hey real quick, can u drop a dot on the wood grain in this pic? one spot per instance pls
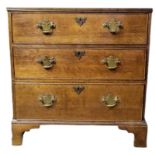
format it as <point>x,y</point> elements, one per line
<point>68,66</point>
<point>86,106</point>
<point>67,30</point>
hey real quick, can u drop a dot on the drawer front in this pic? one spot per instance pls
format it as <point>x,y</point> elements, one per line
<point>85,28</point>
<point>84,102</point>
<point>79,64</point>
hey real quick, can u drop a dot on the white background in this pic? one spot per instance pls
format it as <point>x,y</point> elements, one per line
<point>71,140</point>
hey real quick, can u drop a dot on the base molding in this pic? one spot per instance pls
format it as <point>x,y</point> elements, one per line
<point>139,129</point>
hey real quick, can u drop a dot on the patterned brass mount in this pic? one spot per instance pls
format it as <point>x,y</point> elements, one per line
<point>47,100</point>
<point>78,89</point>
<point>46,26</point>
<point>79,54</point>
<point>80,20</point>
<point>111,62</point>
<point>110,100</point>
<point>113,25</point>
<point>46,61</point>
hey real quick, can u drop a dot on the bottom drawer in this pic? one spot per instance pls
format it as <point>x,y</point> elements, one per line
<point>74,102</point>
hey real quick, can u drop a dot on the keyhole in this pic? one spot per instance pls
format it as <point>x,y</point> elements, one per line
<point>78,88</point>
<point>78,54</point>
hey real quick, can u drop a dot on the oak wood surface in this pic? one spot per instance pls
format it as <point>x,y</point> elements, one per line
<point>84,106</point>
<point>68,66</point>
<point>67,31</point>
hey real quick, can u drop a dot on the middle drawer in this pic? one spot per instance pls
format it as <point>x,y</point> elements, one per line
<point>79,64</point>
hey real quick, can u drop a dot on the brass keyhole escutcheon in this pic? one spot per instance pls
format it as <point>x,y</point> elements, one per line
<point>78,88</point>
<point>80,20</point>
<point>79,54</point>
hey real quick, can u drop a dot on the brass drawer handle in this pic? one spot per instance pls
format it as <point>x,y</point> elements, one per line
<point>79,54</point>
<point>113,25</point>
<point>46,61</point>
<point>47,100</point>
<point>78,88</point>
<point>110,100</point>
<point>46,26</point>
<point>80,20</point>
<point>111,62</point>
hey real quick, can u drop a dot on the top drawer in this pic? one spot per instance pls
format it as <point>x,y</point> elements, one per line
<point>79,28</point>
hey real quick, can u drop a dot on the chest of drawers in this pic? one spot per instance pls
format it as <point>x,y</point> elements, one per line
<point>79,66</point>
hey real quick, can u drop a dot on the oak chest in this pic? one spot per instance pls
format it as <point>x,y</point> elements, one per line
<point>79,66</point>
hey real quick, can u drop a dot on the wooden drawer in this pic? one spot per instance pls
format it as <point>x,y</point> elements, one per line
<point>68,31</point>
<point>88,105</point>
<point>68,65</point>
